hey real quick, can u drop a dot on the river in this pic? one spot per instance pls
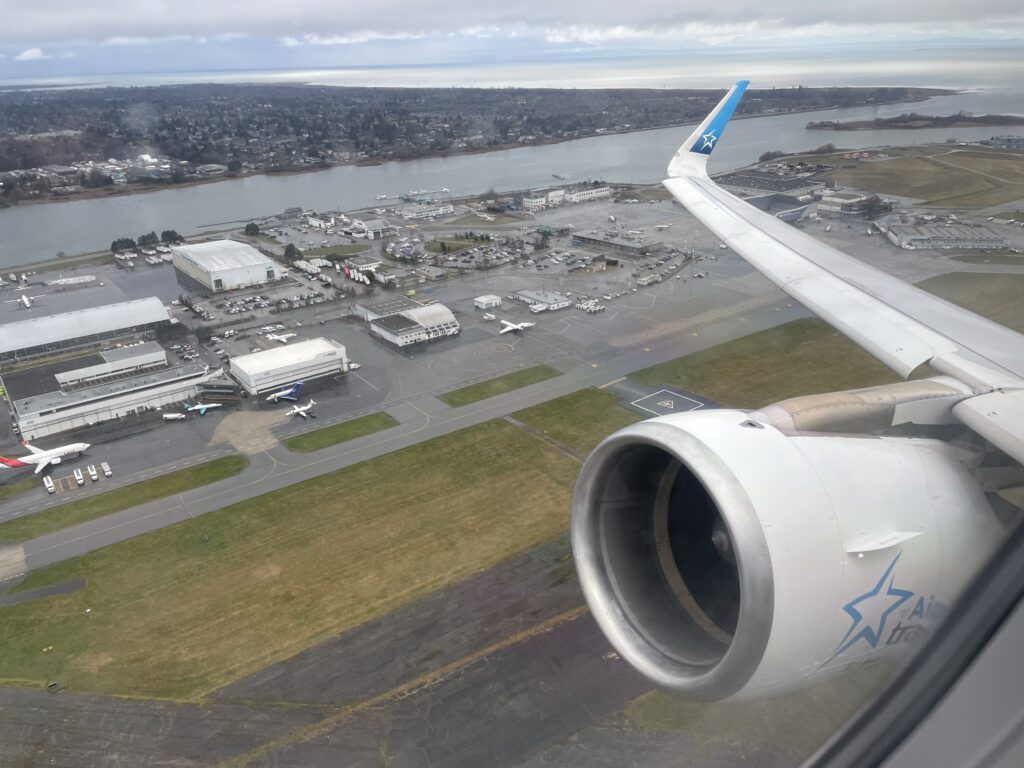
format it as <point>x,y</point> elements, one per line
<point>33,233</point>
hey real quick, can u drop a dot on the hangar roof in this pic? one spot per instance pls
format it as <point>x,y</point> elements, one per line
<point>52,329</point>
<point>431,316</point>
<point>286,355</point>
<point>217,255</point>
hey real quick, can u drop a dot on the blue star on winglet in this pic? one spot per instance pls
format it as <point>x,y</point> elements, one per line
<point>862,629</point>
<point>709,141</point>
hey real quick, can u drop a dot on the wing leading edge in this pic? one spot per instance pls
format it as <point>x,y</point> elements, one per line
<point>902,326</point>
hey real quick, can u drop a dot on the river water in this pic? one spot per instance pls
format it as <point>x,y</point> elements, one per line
<point>32,233</point>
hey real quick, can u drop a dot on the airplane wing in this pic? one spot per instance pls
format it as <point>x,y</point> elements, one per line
<point>506,327</point>
<point>202,411</point>
<point>41,466</point>
<point>31,448</point>
<point>903,326</point>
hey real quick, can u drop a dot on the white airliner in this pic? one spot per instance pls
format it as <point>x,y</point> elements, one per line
<point>507,327</point>
<point>201,407</point>
<point>43,458</point>
<point>281,338</point>
<point>303,410</point>
<point>25,300</point>
<point>288,393</point>
<point>727,552</point>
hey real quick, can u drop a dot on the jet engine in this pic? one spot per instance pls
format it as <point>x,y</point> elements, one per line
<point>56,460</point>
<point>724,556</point>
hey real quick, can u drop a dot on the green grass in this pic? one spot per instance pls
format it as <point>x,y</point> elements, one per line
<point>191,607</point>
<point>454,245</point>
<point>939,175</point>
<point>339,433</point>
<point>995,296</point>
<point>350,249</point>
<point>7,490</point>
<point>472,220</point>
<point>799,358</point>
<point>498,386</point>
<point>91,507</point>
<point>580,420</point>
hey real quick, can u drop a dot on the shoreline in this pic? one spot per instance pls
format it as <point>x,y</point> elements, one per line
<point>143,189</point>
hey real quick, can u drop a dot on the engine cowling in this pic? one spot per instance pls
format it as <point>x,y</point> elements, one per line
<point>724,557</point>
<point>56,460</point>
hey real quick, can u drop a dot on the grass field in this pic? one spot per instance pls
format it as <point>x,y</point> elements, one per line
<point>579,421</point>
<point>339,433</point>
<point>325,251</point>
<point>799,358</point>
<point>91,507</point>
<point>454,245</point>
<point>191,607</point>
<point>498,386</point>
<point>953,178</point>
<point>7,490</point>
<point>472,220</point>
<point>988,257</point>
<point>997,297</point>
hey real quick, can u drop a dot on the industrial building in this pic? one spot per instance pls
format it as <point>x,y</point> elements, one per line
<point>72,394</point>
<point>622,246</point>
<point>224,265</point>
<point>363,263</point>
<point>382,307</point>
<point>759,183</point>
<point>586,195</point>
<point>426,211</point>
<point>945,236</point>
<point>432,273</point>
<point>487,302</point>
<point>550,300</point>
<point>278,367</point>
<point>81,328</point>
<point>786,207</point>
<point>845,204</point>
<point>413,326</point>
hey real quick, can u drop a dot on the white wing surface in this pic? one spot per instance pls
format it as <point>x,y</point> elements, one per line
<point>903,326</point>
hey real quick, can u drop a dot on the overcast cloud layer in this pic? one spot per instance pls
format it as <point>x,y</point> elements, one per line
<point>588,20</point>
<point>72,37</point>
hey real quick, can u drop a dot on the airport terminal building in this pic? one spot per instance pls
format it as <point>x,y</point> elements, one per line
<point>51,334</point>
<point>224,265</point>
<point>302,361</point>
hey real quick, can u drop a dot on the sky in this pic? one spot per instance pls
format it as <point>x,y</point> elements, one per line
<point>61,38</point>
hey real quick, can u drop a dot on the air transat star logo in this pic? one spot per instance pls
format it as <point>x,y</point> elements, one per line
<point>880,601</point>
<point>709,140</point>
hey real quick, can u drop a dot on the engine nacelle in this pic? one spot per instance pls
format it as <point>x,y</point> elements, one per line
<point>722,556</point>
<point>56,460</point>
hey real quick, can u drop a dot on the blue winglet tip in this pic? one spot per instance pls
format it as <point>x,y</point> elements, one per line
<point>708,140</point>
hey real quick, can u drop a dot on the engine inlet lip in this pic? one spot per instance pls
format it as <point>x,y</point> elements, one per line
<point>753,628</point>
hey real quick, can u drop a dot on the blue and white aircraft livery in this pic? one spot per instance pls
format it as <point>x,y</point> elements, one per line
<point>291,392</point>
<point>735,553</point>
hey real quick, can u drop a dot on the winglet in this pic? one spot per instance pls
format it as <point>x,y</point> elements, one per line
<point>692,157</point>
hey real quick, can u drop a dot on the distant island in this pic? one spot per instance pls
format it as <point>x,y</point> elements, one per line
<point>913,121</point>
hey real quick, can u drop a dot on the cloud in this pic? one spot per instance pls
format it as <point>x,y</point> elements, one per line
<point>32,54</point>
<point>350,39</point>
<point>328,22</point>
